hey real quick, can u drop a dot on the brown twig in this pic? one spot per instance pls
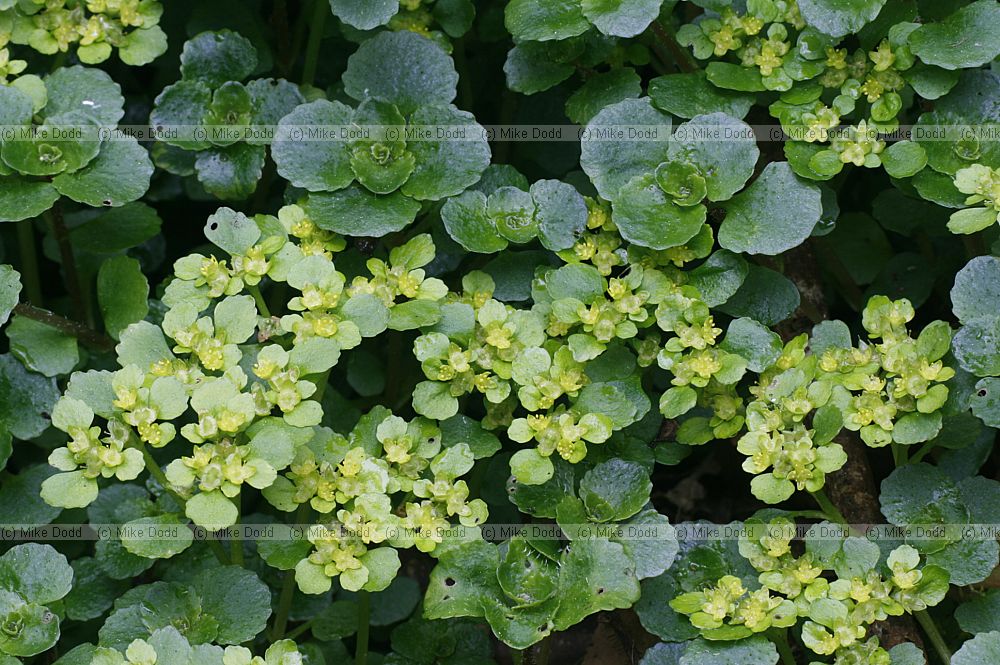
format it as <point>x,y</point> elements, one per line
<point>85,335</point>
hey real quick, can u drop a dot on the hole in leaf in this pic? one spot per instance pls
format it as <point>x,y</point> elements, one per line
<point>449,581</point>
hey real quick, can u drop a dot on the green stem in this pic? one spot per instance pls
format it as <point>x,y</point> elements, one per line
<point>827,507</point>
<point>29,261</point>
<point>71,276</point>
<point>665,33</point>
<point>236,543</point>
<point>920,454</point>
<point>95,340</point>
<point>320,11</point>
<point>899,454</point>
<point>157,472</point>
<point>780,639</point>
<point>364,616</point>
<point>288,587</point>
<point>259,299</point>
<point>926,622</point>
<point>299,630</point>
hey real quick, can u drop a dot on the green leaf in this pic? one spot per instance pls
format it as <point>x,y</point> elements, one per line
<point>433,400</point>
<point>446,166</point>
<point>755,343</point>
<point>93,591</point>
<point>561,213</point>
<point>42,348</point>
<point>218,57</point>
<point>90,91</point>
<point>428,76</point>
<point>726,159</point>
<point>977,285</point>
<point>967,38</point>
<point>37,572</point>
<point>648,217</point>
<point>69,490</point>
<point>238,600</point>
<point>981,614</point>
<point>159,537</point>
<point>530,468</point>
<point>231,173</point>
<point>689,95</point>
<point>612,153</point>
<point>972,220</point>
<point>615,490</point>
<point>765,296</point>
<point>54,147</point>
<point>357,212</point>
<point>544,20</point>
<point>211,510</point>
<point>983,649</point>
<point>183,105</point>
<point>382,564</point>
<point>776,213</point>
<point>729,76</point>
<point>595,575</point>
<point>602,90</point>
<point>916,427</point>
<point>23,199</point>
<point>122,293</point>
<point>364,14</point>
<point>232,231</point>
<point>719,277</point>
<point>771,489</point>
<point>621,18</point>
<point>141,47</point>
<point>39,631</point>
<point>663,653</point>
<point>530,69</point>
<point>10,290</point>
<point>28,398</point>
<point>467,223</point>
<point>985,401</point>
<point>120,174</point>
<point>904,159</point>
<point>840,17</point>
<point>337,621</point>
<point>755,650</point>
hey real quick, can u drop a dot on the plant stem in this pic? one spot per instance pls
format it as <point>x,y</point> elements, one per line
<point>899,454</point>
<point>827,507</point>
<point>154,470</point>
<point>29,261</point>
<point>259,299</point>
<point>780,639</point>
<point>926,622</point>
<point>235,543</point>
<point>71,275</point>
<point>665,33</point>
<point>364,615</point>
<point>320,10</point>
<point>920,454</point>
<point>299,630</point>
<point>288,589</point>
<point>85,335</point>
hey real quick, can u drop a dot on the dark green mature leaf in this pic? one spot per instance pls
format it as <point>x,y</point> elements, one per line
<point>648,217</point>
<point>561,213</point>
<point>364,14</point>
<point>88,91</point>
<point>120,174</point>
<point>122,293</point>
<point>21,198</point>
<point>723,149</point>
<point>776,213</point>
<point>117,229</point>
<point>544,20</point>
<point>530,68</point>
<point>37,572</point>
<point>42,348</point>
<point>28,399</point>
<point>615,490</point>
<point>981,614</point>
<point>840,17</point>
<point>313,163</point>
<point>968,38</point>
<point>688,95</point>
<point>231,173</point>
<point>594,575</point>
<point>427,77</point>
<point>93,591</point>
<point>238,600</point>
<point>357,212</point>
<point>765,296</point>
<point>602,90</point>
<point>465,218</point>
<point>183,106</point>
<point>983,649</point>
<point>446,165</point>
<point>217,57</point>
<point>755,650</point>
<point>621,18</point>
<point>612,153</point>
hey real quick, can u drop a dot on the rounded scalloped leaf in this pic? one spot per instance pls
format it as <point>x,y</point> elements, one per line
<point>217,57</point>
<point>231,173</point>
<point>364,14</point>
<point>357,212</point>
<point>212,510</point>
<point>750,651</point>
<point>977,290</point>
<point>238,600</point>
<point>612,156</point>
<point>690,94</point>
<point>84,89</point>
<point>10,290</point>
<point>602,90</point>
<point>968,38</point>
<point>37,572</point>
<point>307,162</point>
<point>545,20</point>
<point>722,147</point>
<point>840,17</point>
<point>615,490</point>
<point>120,174</point>
<point>69,490</point>
<point>621,18</point>
<point>446,165</point>
<point>24,199</point>
<point>561,213</point>
<point>402,68</point>
<point>467,223</point>
<point>182,104</point>
<point>774,214</point>
<point>647,217</point>
<point>983,649</point>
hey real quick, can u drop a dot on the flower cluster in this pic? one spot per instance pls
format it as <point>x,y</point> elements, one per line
<point>96,27</point>
<point>982,184</point>
<point>837,613</point>
<point>890,389</point>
